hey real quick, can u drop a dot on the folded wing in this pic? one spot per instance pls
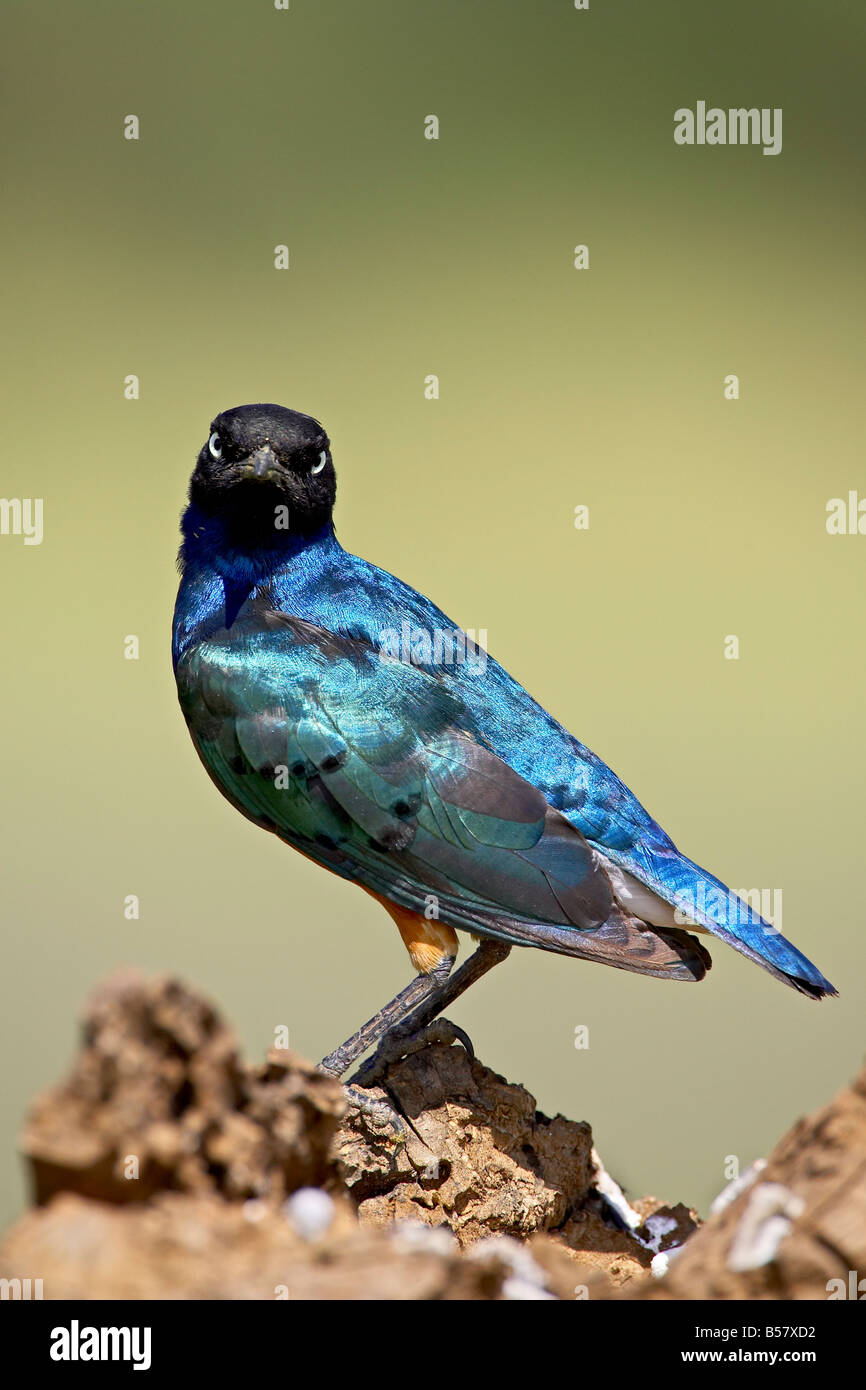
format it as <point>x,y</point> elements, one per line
<point>368,766</point>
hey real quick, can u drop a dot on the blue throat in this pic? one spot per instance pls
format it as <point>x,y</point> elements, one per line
<point>218,578</point>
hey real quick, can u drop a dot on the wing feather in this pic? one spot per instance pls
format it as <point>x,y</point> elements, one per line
<point>368,767</point>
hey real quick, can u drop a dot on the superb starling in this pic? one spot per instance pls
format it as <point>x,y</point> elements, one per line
<point>413,765</point>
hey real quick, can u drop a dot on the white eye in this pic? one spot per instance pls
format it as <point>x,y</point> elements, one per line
<point>323,459</point>
<point>215,445</point>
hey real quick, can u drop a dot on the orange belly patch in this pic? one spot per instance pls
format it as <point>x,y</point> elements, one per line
<point>428,942</point>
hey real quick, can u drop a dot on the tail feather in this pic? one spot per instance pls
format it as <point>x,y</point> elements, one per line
<point>622,941</point>
<point>705,900</point>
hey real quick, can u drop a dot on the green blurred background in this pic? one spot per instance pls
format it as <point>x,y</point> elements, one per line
<point>558,387</point>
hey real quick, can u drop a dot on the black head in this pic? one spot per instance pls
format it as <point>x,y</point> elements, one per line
<point>265,473</point>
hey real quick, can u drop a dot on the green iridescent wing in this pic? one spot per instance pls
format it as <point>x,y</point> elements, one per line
<point>370,767</point>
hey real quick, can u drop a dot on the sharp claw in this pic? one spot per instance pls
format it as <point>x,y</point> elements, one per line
<point>395,1046</point>
<point>441,1030</point>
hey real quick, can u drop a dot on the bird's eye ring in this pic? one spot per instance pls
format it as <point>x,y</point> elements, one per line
<point>215,446</point>
<point>323,459</point>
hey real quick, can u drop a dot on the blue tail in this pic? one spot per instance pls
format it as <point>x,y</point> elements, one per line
<point>706,900</point>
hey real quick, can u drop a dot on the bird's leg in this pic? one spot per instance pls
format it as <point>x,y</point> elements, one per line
<point>409,1022</point>
<point>421,989</point>
<point>422,1025</point>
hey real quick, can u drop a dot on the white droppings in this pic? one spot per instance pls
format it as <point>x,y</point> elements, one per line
<point>736,1186</point>
<point>519,1291</point>
<point>659,1226</point>
<point>414,1236</point>
<point>309,1212</point>
<point>767,1220</point>
<point>613,1194</point>
<point>513,1255</point>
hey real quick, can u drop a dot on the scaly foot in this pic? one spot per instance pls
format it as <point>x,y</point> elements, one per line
<point>396,1045</point>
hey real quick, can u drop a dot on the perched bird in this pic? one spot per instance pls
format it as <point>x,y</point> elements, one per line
<point>436,783</point>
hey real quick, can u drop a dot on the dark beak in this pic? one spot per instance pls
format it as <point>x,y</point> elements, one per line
<point>262,465</point>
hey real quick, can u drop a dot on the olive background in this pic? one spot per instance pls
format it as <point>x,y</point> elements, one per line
<point>558,388</point>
